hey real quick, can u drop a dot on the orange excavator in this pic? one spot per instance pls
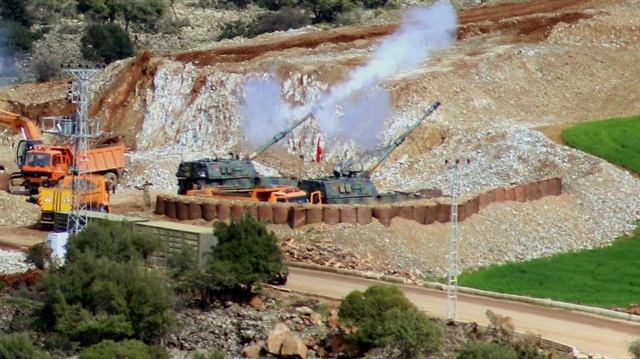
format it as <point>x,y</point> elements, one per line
<point>43,165</point>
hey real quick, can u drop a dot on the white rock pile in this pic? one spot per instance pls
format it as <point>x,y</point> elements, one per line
<point>12,262</point>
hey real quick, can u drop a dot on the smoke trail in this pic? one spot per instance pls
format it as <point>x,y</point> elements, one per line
<point>6,62</point>
<point>263,110</point>
<point>424,30</point>
<point>360,120</point>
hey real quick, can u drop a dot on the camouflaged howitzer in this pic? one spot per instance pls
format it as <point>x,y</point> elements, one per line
<point>233,174</point>
<point>356,187</point>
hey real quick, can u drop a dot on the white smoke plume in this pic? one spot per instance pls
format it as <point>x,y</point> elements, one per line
<point>6,61</point>
<point>263,110</point>
<point>424,30</point>
<point>355,111</point>
<point>359,120</point>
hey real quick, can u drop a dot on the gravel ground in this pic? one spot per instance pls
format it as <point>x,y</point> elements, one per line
<point>16,210</point>
<point>12,262</point>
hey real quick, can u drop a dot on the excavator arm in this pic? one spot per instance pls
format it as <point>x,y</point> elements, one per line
<point>24,125</point>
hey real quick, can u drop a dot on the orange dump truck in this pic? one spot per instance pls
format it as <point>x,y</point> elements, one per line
<point>279,194</point>
<point>94,196</point>
<point>46,165</point>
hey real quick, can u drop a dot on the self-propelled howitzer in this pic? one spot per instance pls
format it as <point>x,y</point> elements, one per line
<point>232,174</point>
<point>356,187</point>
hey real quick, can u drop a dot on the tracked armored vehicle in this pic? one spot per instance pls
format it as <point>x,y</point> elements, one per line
<point>356,187</point>
<point>232,174</point>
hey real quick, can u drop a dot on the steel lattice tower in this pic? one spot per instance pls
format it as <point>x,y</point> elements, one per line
<point>78,131</point>
<point>453,272</point>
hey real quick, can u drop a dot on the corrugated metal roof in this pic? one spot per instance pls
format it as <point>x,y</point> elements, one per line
<point>178,227</point>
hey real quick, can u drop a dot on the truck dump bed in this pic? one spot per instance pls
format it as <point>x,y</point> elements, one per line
<point>104,158</point>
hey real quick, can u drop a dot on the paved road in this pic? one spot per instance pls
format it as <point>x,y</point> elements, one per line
<point>588,333</point>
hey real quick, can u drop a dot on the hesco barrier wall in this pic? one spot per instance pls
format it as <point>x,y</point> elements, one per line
<point>295,215</point>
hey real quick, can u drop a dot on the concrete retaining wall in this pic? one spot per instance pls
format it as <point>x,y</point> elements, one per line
<point>296,216</point>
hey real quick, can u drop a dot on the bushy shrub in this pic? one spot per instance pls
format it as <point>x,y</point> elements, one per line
<point>19,346</point>
<point>358,307</point>
<point>106,43</point>
<point>168,26</point>
<point>108,349</point>
<point>246,254</point>
<point>240,4</point>
<point>235,28</point>
<point>385,317</point>
<point>144,14</point>
<point>116,241</point>
<point>485,350</point>
<point>15,38</point>
<point>634,349</point>
<point>103,293</point>
<point>283,20</point>
<point>275,5</point>
<point>373,4</point>
<point>94,299</point>
<point>38,255</point>
<point>50,11</point>
<point>16,11</point>
<point>327,10</point>
<point>350,17</point>
<point>213,354</point>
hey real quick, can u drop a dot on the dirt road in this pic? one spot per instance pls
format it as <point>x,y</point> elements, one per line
<point>589,334</point>
<point>20,238</point>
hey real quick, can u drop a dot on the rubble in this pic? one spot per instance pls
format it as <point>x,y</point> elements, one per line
<point>13,262</point>
<point>17,211</point>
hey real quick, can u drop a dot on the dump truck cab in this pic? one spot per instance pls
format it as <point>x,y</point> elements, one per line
<point>45,166</point>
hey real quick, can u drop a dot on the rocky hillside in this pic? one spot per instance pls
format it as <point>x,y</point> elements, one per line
<point>513,73</point>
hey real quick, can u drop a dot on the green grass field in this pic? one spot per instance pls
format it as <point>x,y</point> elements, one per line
<point>600,277</point>
<point>616,140</point>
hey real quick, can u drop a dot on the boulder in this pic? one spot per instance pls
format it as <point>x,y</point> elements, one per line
<point>277,335</point>
<point>304,310</point>
<point>252,351</point>
<point>293,348</point>
<point>333,321</point>
<point>316,318</point>
<point>257,304</point>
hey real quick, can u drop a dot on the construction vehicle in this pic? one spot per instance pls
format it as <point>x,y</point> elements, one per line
<point>60,198</point>
<point>43,165</point>
<point>30,133</point>
<point>356,187</point>
<point>46,165</point>
<point>278,194</point>
<point>233,174</point>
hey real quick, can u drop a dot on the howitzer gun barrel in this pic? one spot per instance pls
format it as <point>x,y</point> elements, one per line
<point>398,141</point>
<point>280,135</point>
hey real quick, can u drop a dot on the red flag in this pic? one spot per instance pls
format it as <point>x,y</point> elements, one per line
<point>318,149</point>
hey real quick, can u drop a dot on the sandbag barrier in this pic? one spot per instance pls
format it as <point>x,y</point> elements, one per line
<point>296,215</point>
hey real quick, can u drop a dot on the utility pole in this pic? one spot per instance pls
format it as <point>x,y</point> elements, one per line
<point>79,130</point>
<point>453,272</point>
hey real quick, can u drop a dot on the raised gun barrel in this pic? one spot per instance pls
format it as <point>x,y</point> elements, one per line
<point>398,141</point>
<point>280,135</point>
